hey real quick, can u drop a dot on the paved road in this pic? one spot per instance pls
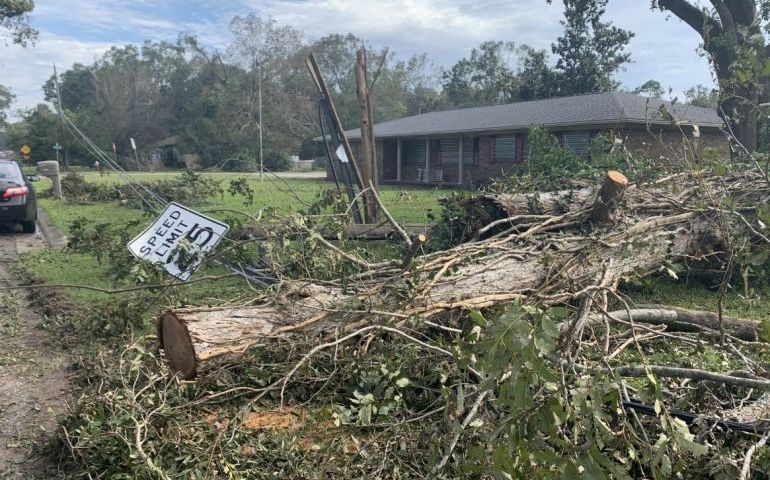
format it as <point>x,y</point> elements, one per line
<point>33,370</point>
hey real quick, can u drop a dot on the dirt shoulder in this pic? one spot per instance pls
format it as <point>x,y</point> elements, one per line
<point>34,386</point>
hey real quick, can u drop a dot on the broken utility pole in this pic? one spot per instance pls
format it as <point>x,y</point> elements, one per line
<point>368,149</point>
<point>346,163</point>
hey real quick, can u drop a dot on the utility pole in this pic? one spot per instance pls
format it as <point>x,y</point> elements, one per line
<point>349,166</point>
<point>60,109</point>
<point>259,95</point>
<point>368,147</point>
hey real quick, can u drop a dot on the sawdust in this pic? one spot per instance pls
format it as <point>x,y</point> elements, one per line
<point>276,420</point>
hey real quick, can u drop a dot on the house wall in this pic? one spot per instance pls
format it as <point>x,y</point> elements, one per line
<point>673,146</point>
<point>356,147</point>
<point>661,144</point>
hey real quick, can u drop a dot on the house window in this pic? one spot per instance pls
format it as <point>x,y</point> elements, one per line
<point>470,151</point>
<point>414,153</point>
<point>449,153</point>
<point>505,149</point>
<point>578,142</point>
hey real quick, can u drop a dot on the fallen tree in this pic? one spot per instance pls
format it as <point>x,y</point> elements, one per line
<point>576,258</point>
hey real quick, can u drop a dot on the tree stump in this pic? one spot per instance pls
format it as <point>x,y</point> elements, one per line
<point>609,196</point>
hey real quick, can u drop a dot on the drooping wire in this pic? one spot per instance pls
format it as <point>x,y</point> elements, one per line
<point>152,199</point>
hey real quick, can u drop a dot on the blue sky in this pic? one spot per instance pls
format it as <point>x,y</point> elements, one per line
<point>80,30</point>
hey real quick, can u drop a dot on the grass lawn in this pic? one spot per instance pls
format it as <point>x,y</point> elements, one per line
<point>406,204</point>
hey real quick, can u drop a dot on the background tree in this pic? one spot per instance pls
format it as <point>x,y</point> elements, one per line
<point>650,88</point>
<point>484,78</point>
<point>590,52</point>
<point>701,96</point>
<point>421,85</point>
<point>14,18</point>
<point>209,99</point>
<point>41,129</point>
<point>731,32</point>
<point>6,99</point>
<point>535,78</point>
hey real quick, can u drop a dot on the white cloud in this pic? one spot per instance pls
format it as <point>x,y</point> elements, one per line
<point>662,49</point>
<point>25,70</point>
<point>445,29</point>
<point>106,16</point>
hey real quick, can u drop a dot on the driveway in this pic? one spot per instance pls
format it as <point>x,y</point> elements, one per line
<point>33,370</point>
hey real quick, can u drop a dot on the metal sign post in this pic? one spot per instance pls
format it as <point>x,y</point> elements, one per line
<point>136,155</point>
<point>57,147</point>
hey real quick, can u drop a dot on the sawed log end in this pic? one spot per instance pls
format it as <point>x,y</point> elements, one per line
<point>177,345</point>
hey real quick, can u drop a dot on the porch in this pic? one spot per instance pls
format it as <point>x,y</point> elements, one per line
<point>429,160</point>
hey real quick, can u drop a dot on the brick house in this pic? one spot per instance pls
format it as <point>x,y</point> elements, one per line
<point>472,145</point>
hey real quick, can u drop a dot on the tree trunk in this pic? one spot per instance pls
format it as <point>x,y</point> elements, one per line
<point>609,196</point>
<point>535,265</point>
<point>740,114</point>
<point>193,338</point>
<point>683,320</point>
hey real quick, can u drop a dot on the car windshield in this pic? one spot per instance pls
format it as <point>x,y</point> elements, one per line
<point>9,171</point>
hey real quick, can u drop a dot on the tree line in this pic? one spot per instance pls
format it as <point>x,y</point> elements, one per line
<point>208,100</point>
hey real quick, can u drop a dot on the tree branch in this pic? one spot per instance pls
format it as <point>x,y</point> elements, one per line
<point>695,17</point>
<point>725,16</point>
<point>744,12</point>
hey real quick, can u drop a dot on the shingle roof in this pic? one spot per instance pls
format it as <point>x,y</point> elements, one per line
<point>610,108</point>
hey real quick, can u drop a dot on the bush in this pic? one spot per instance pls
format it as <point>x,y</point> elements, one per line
<point>190,188</point>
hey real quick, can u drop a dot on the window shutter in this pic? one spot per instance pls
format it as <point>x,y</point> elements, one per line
<point>415,153</point>
<point>505,149</point>
<point>449,151</point>
<point>578,142</point>
<point>470,147</point>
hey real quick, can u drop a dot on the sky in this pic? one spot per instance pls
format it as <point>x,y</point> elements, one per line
<point>71,31</point>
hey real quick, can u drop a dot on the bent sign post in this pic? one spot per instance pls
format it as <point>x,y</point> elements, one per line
<point>178,240</point>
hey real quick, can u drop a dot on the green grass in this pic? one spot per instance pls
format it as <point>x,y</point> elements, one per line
<point>407,205</point>
<point>59,267</point>
<point>699,296</point>
<point>290,194</point>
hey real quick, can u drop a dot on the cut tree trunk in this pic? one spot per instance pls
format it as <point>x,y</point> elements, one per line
<point>536,265</point>
<point>191,338</point>
<point>473,277</point>
<point>609,196</point>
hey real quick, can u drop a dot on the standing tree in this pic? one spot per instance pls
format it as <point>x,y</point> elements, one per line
<point>701,96</point>
<point>14,17</point>
<point>733,39</point>
<point>535,78</point>
<point>650,88</point>
<point>590,51</point>
<point>486,78</point>
<point>6,99</point>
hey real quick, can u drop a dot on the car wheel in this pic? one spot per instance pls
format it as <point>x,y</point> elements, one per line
<point>28,227</point>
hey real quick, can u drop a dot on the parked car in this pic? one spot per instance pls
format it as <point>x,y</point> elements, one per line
<point>17,197</point>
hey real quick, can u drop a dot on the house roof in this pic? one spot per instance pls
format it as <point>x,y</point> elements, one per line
<point>610,109</point>
<point>171,141</point>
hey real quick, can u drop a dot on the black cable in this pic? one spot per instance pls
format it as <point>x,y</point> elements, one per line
<point>345,168</point>
<point>691,418</point>
<point>327,147</point>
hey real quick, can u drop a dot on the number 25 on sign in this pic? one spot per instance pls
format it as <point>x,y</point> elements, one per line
<point>178,240</point>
